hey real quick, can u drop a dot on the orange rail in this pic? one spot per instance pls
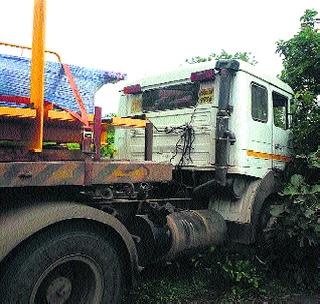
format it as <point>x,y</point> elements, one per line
<point>37,73</point>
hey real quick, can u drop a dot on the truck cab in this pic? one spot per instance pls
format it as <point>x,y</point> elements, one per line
<point>258,118</point>
<point>224,125</point>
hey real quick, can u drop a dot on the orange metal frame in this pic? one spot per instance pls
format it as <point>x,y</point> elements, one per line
<point>37,73</point>
<point>42,113</point>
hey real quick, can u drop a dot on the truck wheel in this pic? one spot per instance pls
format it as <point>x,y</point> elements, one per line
<point>74,266</point>
<point>265,222</point>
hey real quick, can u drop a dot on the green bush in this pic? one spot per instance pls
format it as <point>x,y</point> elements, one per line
<point>241,277</point>
<point>233,272</point>
<point>292,248</point>
<point>109,149</point>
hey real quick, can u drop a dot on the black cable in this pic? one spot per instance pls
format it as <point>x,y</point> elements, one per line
<point>158,130</point>
<point>187,137</point>
<point>184,144</point>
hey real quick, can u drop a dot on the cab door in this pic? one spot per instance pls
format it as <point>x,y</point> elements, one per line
<point>260,129</point>
<point>280,128</point>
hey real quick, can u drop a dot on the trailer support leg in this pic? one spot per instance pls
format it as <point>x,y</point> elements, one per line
<point>37,74</point>
<point>97,131</point>
<point>148,141</point>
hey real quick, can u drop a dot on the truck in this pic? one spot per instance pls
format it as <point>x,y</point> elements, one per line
<point>224,126</point>
<point>200,156</point>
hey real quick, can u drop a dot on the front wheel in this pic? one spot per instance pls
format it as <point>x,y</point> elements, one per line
<point>70,265</point>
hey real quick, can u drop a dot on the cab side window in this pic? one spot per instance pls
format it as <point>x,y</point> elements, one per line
<point>280,110</point>
<point>259,103</point>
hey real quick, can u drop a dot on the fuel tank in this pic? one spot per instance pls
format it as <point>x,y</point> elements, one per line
<point>193,230</point>
<point>184,232</point>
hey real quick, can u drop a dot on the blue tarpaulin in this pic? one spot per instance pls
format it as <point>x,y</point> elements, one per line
<point>15,81</point>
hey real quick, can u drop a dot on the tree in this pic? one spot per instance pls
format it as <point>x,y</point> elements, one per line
<point>301,62</point>
<point>294,249</point>
<point>301,56</point>
<point>245,56</point>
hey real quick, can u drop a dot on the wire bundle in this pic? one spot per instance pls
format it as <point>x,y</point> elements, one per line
<point>184,144</point>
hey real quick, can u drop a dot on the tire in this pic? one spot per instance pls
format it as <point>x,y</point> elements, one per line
<point>265,222</point>
<point>73,266</point>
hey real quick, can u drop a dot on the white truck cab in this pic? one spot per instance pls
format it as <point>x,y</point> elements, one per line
<point>224,125</point>
<point>257,114</point>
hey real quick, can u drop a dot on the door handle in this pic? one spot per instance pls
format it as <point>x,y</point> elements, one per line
<point>278,147</point>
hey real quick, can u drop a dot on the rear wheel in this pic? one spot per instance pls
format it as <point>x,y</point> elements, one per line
<point>74,266</point>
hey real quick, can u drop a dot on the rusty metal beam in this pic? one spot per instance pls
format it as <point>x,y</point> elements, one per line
<point>97,131</point>
<point>148,146</point>
<point>22,174</point>
<point>20,154</point>
<point>19,130</point>
<point>63,173</point>
<point>110,172</point>
<point>12,131</point>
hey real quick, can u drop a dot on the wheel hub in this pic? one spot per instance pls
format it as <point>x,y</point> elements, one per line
<point>59,291</point>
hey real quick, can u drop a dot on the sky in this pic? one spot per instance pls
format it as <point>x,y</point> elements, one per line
<point>141,37</point>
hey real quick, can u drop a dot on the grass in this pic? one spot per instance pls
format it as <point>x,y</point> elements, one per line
<point>172,283</point>
<point>214,279</point>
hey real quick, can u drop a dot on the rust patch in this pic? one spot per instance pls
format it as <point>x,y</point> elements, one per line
<point>20,174</point>
<point>110,172</point>
<point>134,175</point>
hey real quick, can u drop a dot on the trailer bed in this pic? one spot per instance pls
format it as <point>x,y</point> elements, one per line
<point>81,173</point>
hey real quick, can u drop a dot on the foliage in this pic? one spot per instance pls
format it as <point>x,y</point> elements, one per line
<point>301,61</point>
<point>302,56</point>
<point>245,56</point>
<point>109,149</point>
<point>298,217</point>
<point>295,239</point>
<point>229,274</point>
<point>233,272</point>
<point>241,276</point>
<point>302,71</point>
<point>305,129</point>
<point>292,249</point>
<point>174,283</point>
<point>73,146</point>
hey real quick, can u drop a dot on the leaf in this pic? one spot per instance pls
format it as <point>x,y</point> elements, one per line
<point>276,210</point>
<point>309,212</point>
<point>315,189</point>
<point>317,228</point>
<point>297,180</point>
<point>290,190</point>
<point>314,159</point>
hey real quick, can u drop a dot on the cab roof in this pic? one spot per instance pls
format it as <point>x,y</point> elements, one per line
<point>182,74</point>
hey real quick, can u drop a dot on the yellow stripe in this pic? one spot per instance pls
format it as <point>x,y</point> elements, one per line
<point>128,122</point>
<point>17,112</point>
<point>264,155</point>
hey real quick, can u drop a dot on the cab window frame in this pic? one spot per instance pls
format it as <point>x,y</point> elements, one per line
<point>286,106</point>
<point>260,86</point>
